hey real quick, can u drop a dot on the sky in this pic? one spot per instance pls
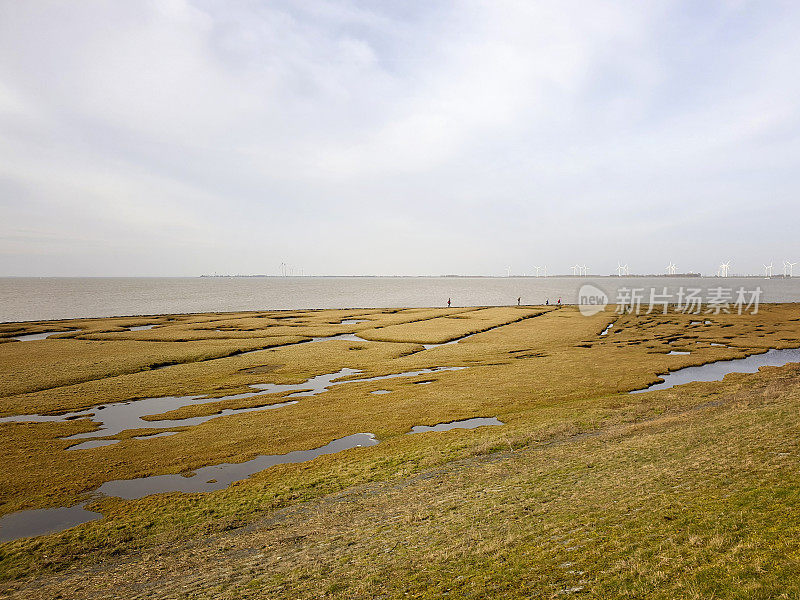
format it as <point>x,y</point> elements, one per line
<point>179,138</point>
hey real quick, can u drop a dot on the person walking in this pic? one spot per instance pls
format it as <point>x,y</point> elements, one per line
<point>559,301</point>
<point>519,300</point>
<point>448,303</point>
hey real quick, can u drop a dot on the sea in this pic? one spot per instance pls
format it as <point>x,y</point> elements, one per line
<point>44,298</point>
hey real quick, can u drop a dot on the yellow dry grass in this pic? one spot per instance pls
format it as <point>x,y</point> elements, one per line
<point>547,373</point>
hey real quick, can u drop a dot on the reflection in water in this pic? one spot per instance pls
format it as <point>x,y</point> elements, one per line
<point>455,341</point>
<point>31,337</point>
<point>347,337</point>
<point>92,444</point>
<point>465,424</point>
<point>217,477</point>
<point>715,371</point>
<point>155,435</point>
<point>118,417</point>
<point>29,523</point>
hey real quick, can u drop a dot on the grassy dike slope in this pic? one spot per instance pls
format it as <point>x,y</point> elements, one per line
<point>689,492</point>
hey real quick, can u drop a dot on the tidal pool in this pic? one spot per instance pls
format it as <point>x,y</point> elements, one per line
<point>117,417</point>
<point>348,337</point>
<point>29,523</point>
<point>92,444</point>
<point>465,424</point>
<point>715,371</point>
<point>31,337</point>
<point>455,341</point>
<point>155,435</point>
<point>217,477</point>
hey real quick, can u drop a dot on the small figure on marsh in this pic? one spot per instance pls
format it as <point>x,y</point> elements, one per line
<point>547,302</point>
<point>519,300</point>
<point>448,303</point>
<point>559,301</point>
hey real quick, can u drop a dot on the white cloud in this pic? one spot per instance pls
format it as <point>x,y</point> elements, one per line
<point>229,134</point>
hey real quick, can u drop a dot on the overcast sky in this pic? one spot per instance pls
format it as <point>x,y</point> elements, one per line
<point>181,137</point>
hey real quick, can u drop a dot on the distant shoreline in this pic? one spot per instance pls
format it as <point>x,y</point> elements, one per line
<point>567,276</point>
<point>498,277</point>
<point>45,299</point>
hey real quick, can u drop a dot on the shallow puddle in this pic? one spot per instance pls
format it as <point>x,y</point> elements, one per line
<point>678,353</point>
<point>129,415</point>
<point>348,337</point>
<point>465,424</point>
<point>405,374</point>
<point>115,418</point>
<point>92,444</point>
<point>29,523</point>
<point>118,417</point>
<point>607,329</point>
<point>715,371</point>
<point>352,321</point>
<point>31,337</point>
<point>155,435</point>
<point>217,477</point>
<point>141,328</point>
<point>455,341</point>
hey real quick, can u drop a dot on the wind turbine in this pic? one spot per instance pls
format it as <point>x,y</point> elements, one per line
<point>620,269</point>
<point>788,266</point>
<point>671,268</point>
<point>575,269</point>
<point>723,269</point>
<point>768,270</point>
<point>537,270</point>
<point>508,271</point>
